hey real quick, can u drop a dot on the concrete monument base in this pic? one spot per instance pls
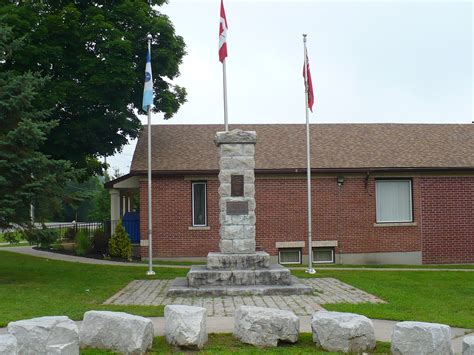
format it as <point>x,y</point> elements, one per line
<point>180,288</point>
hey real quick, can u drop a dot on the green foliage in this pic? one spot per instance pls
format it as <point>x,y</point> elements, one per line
<point>13,237</point>
<point>27,175</point>
<point>41,237</point>
<point>70,234</point>
<point>83,242</point>
<point>95,57</point>
<point>119,244</point>
<point>100,241</point>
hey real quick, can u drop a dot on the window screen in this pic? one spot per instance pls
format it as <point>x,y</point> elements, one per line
<point>393,199</point>
<point>199,204</point>
<point>290,256</point>
<point>323,255</point>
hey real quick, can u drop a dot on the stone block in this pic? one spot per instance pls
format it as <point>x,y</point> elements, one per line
<point>231,150</point>
<point>248,149</point>
<point>249,232</point>
<point>39,335</point>
<point>467,345</point>
<point>185,326</point>
<point>116,331</point>
<point>240,219</point>
<point>62,349</point>
<point>200,275</point>
<point>243,246</point>
<point>219,261</point>
<point>249,190</point>
<point>419,338</point>
<point>237,163</point>
<point>275,275</point>
<point>8,345</point>
<point>235,136</point>
<point>224,190</point>
<point>226,246</point>
<point>265,327</point>
<point>345,332</point>
<point>232,232</point>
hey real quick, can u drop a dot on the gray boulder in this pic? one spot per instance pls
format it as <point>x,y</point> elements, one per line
<point>346,332</point>
<point>264,327</point>
<point>467,345</point>
<point>39,335</point>
<point>118,331</point>
<point>8,345</point>
<point>419,338</point>
<point>185,326</point>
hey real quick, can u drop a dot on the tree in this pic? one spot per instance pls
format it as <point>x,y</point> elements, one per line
<point>94,53</point>
<point>26,174</point>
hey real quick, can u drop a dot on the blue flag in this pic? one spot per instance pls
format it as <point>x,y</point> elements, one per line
<point>148,89</point>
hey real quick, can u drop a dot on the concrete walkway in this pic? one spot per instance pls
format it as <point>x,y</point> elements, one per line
<point>28,250</point>
<point>383,328</point>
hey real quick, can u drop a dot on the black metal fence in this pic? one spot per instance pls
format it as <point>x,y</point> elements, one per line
<point>68,230</point>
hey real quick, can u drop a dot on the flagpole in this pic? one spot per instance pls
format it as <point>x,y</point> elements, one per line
<point>310,269</point>
<point>224,79</point>
<point>150,224</point>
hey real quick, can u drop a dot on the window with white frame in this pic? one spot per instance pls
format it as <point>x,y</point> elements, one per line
<point>323,255</point>
<point>199,204</point>
<point>393,201</point>
<point>289,256</point>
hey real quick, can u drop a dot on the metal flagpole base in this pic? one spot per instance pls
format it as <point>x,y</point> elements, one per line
<point>150,273</point>
<point>310,271</point>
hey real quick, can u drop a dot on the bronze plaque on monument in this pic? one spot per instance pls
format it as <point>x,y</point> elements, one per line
<point>237,185</point>
<point>237,207</point>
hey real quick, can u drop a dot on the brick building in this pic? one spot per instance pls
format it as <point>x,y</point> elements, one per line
<point>381,193</point>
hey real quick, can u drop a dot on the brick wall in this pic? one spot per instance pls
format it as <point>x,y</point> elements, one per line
<point>172,217</point>
<point>448,219</point>
<point>346,214</point>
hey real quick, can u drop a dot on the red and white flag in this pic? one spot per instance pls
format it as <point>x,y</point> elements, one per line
<point>308,84</point>
<point>222,34</point>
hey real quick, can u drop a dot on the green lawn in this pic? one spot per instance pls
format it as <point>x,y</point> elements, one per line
<point>226,344</point>
<point>436,296</point>
<point>388,266</point>
<point>32,287</point>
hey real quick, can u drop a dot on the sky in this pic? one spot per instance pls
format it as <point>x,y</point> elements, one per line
<point>371,62</point>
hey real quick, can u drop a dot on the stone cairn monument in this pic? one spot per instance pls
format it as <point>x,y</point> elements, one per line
<point>238,269</point>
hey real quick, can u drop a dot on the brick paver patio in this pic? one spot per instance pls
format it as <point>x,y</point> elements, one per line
<point>326,290</point>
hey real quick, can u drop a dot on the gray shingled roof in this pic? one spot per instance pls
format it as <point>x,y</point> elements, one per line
<point>334,146</point>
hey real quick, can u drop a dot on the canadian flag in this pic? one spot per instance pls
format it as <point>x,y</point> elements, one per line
<point>308,84</point>
<point>222,34</point>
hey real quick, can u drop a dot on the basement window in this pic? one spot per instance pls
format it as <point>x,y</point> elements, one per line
<point>323,255</point>
<point>199,204</point>
<point>289,256</point>
<point>393,201</point>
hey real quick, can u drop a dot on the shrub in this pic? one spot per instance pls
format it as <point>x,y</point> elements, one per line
<point>83,242</point>
<point>119,244</point>
<point>13,237</point>
<point>43,237</point>
<point>100,241</point>
<point>70,234</point>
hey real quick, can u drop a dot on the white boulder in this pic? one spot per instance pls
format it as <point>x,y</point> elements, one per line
<point>118,331</point>
<point>264,327</point>
<point>8,345</point>
<point>38,335</point>
<point>346,332</point>
<point>419,338</point>
<point>467,345</point>
<point>185,326</point>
